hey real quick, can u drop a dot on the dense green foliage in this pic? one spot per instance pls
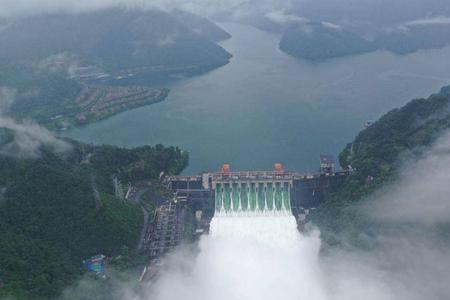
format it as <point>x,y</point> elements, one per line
<point>376,154</point>
<point>37,94</point>
<point>142,163</point>
<point>51,219</point>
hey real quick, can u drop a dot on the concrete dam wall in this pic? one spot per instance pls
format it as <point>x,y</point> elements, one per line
<point>256,192</point>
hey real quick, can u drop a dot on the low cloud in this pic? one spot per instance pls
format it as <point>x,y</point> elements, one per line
<point>168,40</point>
<point>331,25</point>
<point>282,18</point>
<point>422,192</point>
<point>28,138</point>
<point>24,139</point>
<point>64,62</point>
<point>409,259</point>
<point>266,258</point>
<point>233,8</point>
<point>7,98</point>
<point>429,21</point>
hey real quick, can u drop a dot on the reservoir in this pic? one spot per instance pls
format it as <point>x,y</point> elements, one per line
<point>266,107</point>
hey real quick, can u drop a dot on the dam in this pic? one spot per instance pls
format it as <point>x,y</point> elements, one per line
<point>251,193</point>
<point>258,193</point>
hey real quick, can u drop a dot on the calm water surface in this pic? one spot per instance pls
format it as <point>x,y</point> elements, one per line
<point>266,107</point>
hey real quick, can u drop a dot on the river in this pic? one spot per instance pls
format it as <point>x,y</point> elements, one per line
<point>266,107</point>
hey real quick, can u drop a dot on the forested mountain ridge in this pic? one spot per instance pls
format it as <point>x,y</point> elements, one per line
<point>115,39</point>
<point>318,42</point>
<point>60,208</point>
<point>70,69</point>
<point>376,155</point>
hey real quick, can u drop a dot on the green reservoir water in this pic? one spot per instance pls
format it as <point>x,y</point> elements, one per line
<point>266,107</point>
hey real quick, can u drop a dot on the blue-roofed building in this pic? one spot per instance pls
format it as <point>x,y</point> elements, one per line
<point>96,264</point>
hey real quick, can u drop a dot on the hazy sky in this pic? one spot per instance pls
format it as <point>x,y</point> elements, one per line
<point>204,7</point>
<point>381,11</point>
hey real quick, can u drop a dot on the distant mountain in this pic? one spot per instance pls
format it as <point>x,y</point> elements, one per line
<point>321,41</point>
<point>201,26</point>
<point>411,38</point>
<point>71,69</point>
<point>318,41</point>
<point>118,42</point>
<point>60,208</point>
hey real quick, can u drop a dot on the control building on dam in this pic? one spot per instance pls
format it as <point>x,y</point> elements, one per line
<point>275,192</point>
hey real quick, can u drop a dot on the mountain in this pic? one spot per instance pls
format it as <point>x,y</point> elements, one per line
<point>72,69</point>
<point>118,42</point>
<point>60,208</point>
<point>411,38</point>
<point>322,41</point>
<point>201,26</point>
<point>376,155</point>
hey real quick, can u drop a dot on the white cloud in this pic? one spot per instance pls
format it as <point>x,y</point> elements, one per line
<point>331,25</point>
<point>423,192</point>
<point>168,40</point>
<point>62,62</point>
<point>7,98</point>
<point>27,136</point>
<point>236,9</point>
<point>429,21</point>
<point>266,258</point>
<point>281,17</point>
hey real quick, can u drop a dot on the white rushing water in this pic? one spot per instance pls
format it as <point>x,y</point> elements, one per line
<point>266,258</point>
<point>251,258</point>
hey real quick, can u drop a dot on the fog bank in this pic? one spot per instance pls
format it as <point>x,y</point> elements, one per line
<point>27,137</point>
<point>266,258</point>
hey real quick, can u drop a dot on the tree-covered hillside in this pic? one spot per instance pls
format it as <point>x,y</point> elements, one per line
<point>116,40</point>
<point>69,69</point>
<point>376,155</point>
<point>60,208</point>
<point>318,42</point>
<point>412,38</point>
<point>322,41</point>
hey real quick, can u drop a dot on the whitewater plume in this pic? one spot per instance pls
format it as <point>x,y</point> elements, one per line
<point>251,258</point>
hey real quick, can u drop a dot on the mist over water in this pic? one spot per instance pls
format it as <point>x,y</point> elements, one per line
<point>266,258</point>
<point>251,258</point>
